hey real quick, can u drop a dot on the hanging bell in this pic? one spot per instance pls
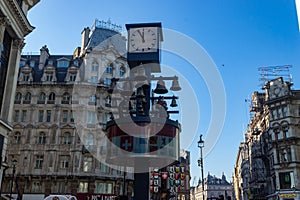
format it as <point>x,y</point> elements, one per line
<point>141,74</point>
<point>140,93</point>
<point>173,103</point>
<point>160,87</point>
<point>175,85</point>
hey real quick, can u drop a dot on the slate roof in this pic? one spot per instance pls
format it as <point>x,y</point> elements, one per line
<point>104,38</point>
<point>37,73</point>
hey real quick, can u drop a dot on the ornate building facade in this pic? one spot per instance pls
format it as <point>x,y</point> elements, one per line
<point>14,26</point>
<point>214,189</point>
<point>61,108</point>
<point>268,161</point>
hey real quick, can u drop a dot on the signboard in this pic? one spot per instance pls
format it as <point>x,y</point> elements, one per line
<point>287,195</point>
<point>86,196</point>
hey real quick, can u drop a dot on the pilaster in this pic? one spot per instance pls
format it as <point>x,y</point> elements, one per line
<point>11,80</point>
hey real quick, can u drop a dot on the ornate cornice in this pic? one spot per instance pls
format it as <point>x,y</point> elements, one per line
<point>18,43</point>
<point>4,21</point>
<point>20,16</point>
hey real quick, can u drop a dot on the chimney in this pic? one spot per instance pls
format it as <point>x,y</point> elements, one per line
<point>44,55</point>
<point>85,37</point>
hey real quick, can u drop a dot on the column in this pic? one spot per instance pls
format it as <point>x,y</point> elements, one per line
<point>11,80</point>
<point>3,23</point>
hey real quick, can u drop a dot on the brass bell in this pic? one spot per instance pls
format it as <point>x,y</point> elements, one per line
<point>173,103</point>
<point>141,74</point>
<point>175,85</point>
<point>160,87</point>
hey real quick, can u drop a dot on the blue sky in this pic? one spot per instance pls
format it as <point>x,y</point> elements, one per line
<point>239,36</point>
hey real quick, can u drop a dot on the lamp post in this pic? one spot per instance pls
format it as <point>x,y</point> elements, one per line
<point>14,162</point>
<point>200,162</point>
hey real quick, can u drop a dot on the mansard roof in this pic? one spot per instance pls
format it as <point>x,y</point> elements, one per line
<point>37,73</point>
<point>104,38</point>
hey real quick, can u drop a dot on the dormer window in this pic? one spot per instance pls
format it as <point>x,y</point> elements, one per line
<point>49,77</point>
<point>32,63</point>
<point>62,63</point>
<point>26,77</point>
<point>50,62</point>
<point>76,63</point>
<point>22,63</point>
<point>72,77</point>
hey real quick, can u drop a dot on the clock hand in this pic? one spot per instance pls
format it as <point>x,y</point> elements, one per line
<point>142,35</point>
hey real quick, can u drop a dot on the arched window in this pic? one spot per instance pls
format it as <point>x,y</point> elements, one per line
<point>18,98</point>
<point>27,97</point>
<point>89,139</point>
<point>41,98</point>
<point>122,71</point>
<point>42,138</point>
<point>51,98</point>
<point>67,138</point>
<point>17,138</point>
<point>66,98</point>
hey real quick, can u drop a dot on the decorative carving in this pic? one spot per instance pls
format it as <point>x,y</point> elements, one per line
<point>18,43</point>
<point>4,21</point>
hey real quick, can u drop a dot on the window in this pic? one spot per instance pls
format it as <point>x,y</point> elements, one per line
<point>65,116</point>
<point>24,115</point>
<point>32,63</point>
<point>4,59</point>
<point>104,168</point>
<point>42,138</point>
<point>18,98</point>
<point>22,63</point>
<point>94,79</point>
<point>284,111</point>
<point>95,67</point>
<point>72,116</point>
<point>51,97</point>
<point>64,162</point>
<point>50,62</point>
<point>107,81</point>
<point>103,188</point>
<point>67,138</point>
<point>91,117</point>
<point>17,114</point>
<point>41,115</point>
<point>72,77</point>
<point>39,161</point>
<point>274,114</point>
<point>108,100</point>
<point>66,98</point>
<point>42,97</point>
<point>122,71</point>
<point>36,187</point>
<point>26,77</point>
<point>17,138</point>
<point>286,180</point>
<point>48,116</point>
<point>109,69</point>
<point>87,163</point>
<point>89,139</point>
<point>62,63</point>
<point>83,187</point>
<point>92,98</point>
<point>27,97</point>
<point>49,77</point>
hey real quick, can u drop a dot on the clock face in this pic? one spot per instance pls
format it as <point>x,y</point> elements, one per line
<point>143,39</point>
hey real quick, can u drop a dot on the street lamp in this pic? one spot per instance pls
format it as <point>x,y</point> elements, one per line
<point>14,162</point>
<point>200,162</point>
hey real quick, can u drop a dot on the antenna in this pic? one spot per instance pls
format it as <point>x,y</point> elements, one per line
<point>272,72</point>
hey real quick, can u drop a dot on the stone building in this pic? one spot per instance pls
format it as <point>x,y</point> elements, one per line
<point>214,189</point>
<point>270,166</point>
<point>61,107</point>
<point>14,26</point>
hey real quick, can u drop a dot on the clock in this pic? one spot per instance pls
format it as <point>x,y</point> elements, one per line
<point>143,39</point>
<point>143,45</point>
